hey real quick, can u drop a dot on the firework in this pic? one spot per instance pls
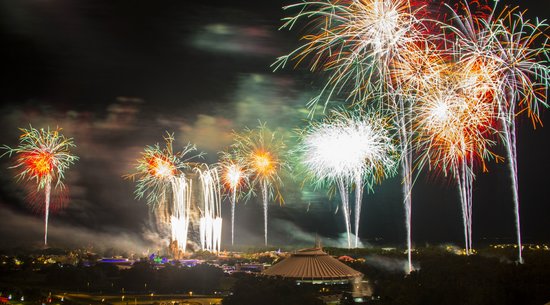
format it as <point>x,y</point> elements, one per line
<point>260,151</point>
<point>234,177</point>
<point>181,213</point>
<point>360,45</point>
<point>43,156</point>
<point>210,218</point>
<point>419,65</point>
<point>159,173</point>
<point>455,118</point>
<point>508,43</point>
<point>353,41</point>
<point>474,77</point>
<point>349,150</point>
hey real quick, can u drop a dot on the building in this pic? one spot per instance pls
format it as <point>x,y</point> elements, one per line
<point>314,266</point>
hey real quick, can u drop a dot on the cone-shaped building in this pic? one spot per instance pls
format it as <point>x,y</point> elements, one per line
<point>314,266</point>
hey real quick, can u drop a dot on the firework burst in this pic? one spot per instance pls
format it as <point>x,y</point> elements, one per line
<point>234,178</point>
<point>510,45</point>
<point>349,150</point>
<point>454,120</point>
<point>157,167</point>
<point>261,152</point>
<point>43,156</point>
<point>159,173</point>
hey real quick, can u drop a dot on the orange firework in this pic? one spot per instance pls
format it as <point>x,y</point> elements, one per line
<point>43,155</point>
<point>455,117</point>
<point>517,49</point>
<point>39,163</point>
<point>157,168</point>
<point>160,167</point>
<point>261,153</point>
<point>263,163</point>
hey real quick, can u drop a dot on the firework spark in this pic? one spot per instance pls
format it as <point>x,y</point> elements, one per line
<point>43,155</point>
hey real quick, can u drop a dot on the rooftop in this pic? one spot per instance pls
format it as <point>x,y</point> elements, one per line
<point>312,264</point>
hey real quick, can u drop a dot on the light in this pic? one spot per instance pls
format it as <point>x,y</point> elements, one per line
<point>40,163</point>
<point>233,175</point>
<point>263,163</point>
<point>160,167</point>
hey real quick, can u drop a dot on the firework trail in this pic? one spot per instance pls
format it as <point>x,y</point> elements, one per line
<point>419,66</point>
<point>210,220</point>
<point>160,176</point>
<point>234,178</point>
<point>43,155</point>
<point>260,151</point>
<point>179,220</point>
<point>346,150</point>
<point>511,45</point>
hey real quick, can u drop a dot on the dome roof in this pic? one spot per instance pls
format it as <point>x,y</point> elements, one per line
<point>312,264</point>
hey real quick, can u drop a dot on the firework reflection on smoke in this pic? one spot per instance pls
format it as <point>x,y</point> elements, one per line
<point>210,208</point>
<point>349,150</point>
<point>43,155</point>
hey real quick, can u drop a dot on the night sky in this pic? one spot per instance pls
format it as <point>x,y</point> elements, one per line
<point>115,75</point>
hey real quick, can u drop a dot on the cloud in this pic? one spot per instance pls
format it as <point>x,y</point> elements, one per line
<point>29,231</point>
<point>234,40</point>
<point>210,133</point>
<point>389,264</point>
<point>290,233</point>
